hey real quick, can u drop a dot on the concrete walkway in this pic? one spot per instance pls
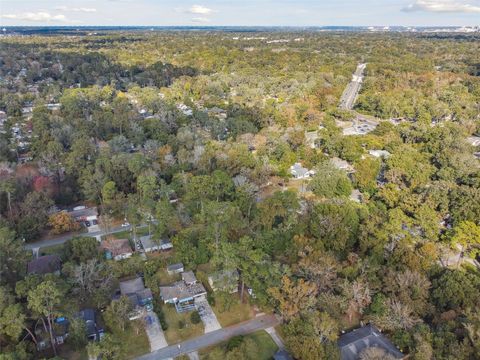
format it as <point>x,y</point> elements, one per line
<point>206,314</point>
<point>275,337</point>
<point>154,332</point>
<point>212,338</point>
<point>193,355</point>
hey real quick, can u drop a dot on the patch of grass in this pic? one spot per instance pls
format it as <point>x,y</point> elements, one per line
<point>265,348</point>
<point>65,352</point>
<point>122,235</point>
<point>50,250</point>
<point>236,313</point>
<point>180,326</point>
<point>134,339</point>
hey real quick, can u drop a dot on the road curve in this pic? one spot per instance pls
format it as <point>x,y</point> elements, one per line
<point>212,338</point>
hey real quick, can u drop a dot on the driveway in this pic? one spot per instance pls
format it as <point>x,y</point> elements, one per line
<point>215,337</point>
<point>154,332</point>
<point>276,339</point>
<point>207,315</point>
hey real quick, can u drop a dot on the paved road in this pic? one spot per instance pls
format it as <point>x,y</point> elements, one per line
<point>212,338</point>
<point>64,238</point>
<point>353,88</point>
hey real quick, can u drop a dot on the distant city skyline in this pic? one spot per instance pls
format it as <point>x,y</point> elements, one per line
<point>240,13</point>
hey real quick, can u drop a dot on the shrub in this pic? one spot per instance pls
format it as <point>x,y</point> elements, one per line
<point>195,317</point>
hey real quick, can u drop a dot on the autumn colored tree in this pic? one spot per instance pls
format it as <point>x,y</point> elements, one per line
<point>62,222</point>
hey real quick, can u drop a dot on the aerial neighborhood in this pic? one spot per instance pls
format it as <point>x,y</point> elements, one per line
<point>239,193</point>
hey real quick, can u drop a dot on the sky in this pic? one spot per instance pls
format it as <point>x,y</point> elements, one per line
<point>243,12</point>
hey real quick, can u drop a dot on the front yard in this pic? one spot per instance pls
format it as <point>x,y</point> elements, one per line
<point>263,347</point>
<point>180,326</point>
<point>134,340</point>
<point>229,309</point>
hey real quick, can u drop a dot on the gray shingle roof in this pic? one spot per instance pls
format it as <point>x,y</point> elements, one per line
<point>354,342</point>
<point>44,265</point>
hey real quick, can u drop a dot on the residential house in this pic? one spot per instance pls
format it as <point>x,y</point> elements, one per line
<point>474,140</point>
<point>140,296</point>
<point>94,331</point>
<point>299,172</point>
<point>356,196</point>
<point>342,165</point>
<point>175,269</point>
<point>226,280</point>
<point>116,249</point>
<point>183,293</point>
<point>86,216</point>
<point>353,343</point>
<point>379,153</point>
<point>217,112</point>
<point>48,264</point>
<point>149,244</point>
<point>54,106</point>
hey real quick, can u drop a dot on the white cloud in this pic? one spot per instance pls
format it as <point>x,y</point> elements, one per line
<point>200,10</point>
<point>40,16</point>
<point>201,20</point>
<point>82,9</point>
<point>88,10</point>
<point>445,6</point>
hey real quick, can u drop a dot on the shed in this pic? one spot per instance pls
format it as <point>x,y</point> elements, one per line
<point>175,268</point>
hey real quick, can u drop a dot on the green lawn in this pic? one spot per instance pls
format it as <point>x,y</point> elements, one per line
<point>174,334</point>
<point>135,344</point>
<point>264,350</point>
<point>50,250</point>
<point>236,313</point>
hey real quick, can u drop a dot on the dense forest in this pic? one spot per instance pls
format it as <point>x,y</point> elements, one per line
<point>195,134</point>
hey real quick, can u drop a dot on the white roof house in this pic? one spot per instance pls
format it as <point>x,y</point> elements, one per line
<point>474,140</point>
<point>299,172</point>
<point>342,164</point>
<point>379,153</point>
<point>150,245</point>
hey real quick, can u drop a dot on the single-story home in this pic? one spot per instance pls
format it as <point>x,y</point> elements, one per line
<point>93,330</point>
<point>48,264</point>
<point>175,269</point>
<point>149,244</point>
<point>117,249</point>
<point>342,165</point>
<point>379,153</point>
<point>353,343</point>
<point>140,296</point>
<point>226,280</point>
<point>86,216</point>
<point>183,293</point>
<point>474,140</point>
<point>299,172</point>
